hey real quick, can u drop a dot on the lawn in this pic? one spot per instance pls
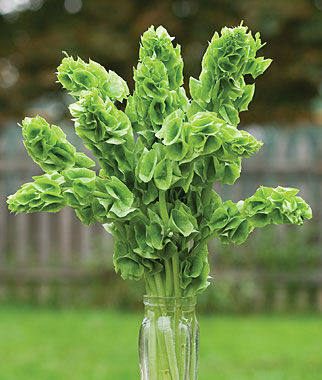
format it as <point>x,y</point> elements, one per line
<point>43,344</point>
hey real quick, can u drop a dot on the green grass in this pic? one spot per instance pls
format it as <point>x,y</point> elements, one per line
<point>42,344</point>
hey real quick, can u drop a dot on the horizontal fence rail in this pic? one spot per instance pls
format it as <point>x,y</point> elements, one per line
<point>44,254</point>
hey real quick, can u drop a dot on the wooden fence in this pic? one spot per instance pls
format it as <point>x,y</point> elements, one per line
<point>44,254</point>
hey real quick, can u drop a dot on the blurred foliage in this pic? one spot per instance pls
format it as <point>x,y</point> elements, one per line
<point>291,251</point>
<point>108,31</point>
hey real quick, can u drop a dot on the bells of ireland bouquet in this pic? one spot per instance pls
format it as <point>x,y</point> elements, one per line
<point>160,161</point>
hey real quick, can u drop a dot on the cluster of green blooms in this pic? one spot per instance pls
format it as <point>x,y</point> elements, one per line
<point>159,159</point>
<point>221,87</point>
<point>158,84</point>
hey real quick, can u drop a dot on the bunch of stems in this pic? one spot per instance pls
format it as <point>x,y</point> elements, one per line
<point>172,333</point>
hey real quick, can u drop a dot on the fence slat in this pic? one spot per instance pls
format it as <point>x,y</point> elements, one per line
<point>281,298</point>
<point>65,229</point>
<point>319,300</point>
<point>21,238</point>
<point>44,238</point>
<point>85,239</point>
<point>3,224</point>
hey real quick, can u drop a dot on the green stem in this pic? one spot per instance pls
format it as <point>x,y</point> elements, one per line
<point>177,292</point>
<point>163,207</point>
<point>169,339</point>
<point>168,278</point>
<point>162,356</point>
<point>154,364</point>
<point>194,350</point>
<point>151,285</point>
<point>159,285</point>
<point>165,340</point>
<point>99,194</point>
<point>144,217</point>
<point>175,270</point>
<point>203,242</point>
<point>147,285</point>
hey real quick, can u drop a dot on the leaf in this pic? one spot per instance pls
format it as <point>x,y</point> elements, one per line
<point>179,222</point>
<point>258,66</point>
<point>200,283</point>
<point>231,172</point>
<point>116,87</point>
<point>144,250</point>
<point>154,233</point>
<point>44,194</point>
<point>246,98</point>
<point>171,129</point>
<point>229,114</point>
<point>195,266</point>
<point>163,174</point>
<point>82,161</point>
<point>260,219</point>
<point>219,218</point>
<point>84,79</point>
<point>123,197</point>
<point>177,151</point>
<point>150,194</point>
<point>240,234</point>
<point>146,165</point>
<point>101,208</point>
<point>85,214</point>
<point>124,261</point>
<point>198,92</point>
<point>82,181</point>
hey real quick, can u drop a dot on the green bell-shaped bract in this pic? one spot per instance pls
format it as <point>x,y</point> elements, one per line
<point>146,165</point>
<point>83,161</point>
<point>194,272</point>
<point>229,224</point>
<point>182,221</point>
<point>126,262</point>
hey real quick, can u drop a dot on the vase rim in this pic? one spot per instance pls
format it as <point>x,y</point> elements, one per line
<point>157,300</point>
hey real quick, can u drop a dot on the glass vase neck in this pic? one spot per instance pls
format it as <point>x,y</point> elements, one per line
<point>173,302</point>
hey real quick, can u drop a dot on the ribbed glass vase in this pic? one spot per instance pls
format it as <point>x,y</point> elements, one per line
<point>169,339</point>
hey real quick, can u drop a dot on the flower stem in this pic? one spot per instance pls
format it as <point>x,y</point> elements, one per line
<point>163,207</point>
<point>151,285</point>
<point>168,278</point>
<point>159,285</point>
<point>203,242</point>
<point>175,270</point>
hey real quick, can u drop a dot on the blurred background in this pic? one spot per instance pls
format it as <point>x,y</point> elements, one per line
<point>59,296</point>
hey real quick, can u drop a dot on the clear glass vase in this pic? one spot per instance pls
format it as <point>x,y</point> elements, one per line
<point>169,339</point>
